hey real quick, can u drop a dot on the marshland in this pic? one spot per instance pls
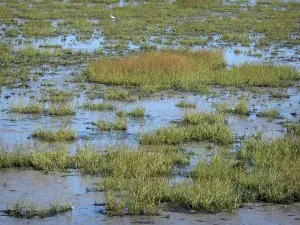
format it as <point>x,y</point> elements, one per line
<point>150,112</point>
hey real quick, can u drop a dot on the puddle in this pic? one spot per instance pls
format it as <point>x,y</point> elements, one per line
<point>64,42</point>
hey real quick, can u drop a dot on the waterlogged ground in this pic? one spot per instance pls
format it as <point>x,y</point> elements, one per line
<point>160,109</point>
<point>75,188</point>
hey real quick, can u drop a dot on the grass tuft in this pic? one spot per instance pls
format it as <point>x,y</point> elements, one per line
<point>55,135</point>
<point>99,106</point>
<point>32,108</point>
<point>137,112</point>
<point>271,114</point>
<point>23,209</point>
<point>119,124</point>
<point>183,104</point>
<point>60,110</point>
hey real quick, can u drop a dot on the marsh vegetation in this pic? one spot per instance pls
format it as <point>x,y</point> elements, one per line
<point>189,106</point>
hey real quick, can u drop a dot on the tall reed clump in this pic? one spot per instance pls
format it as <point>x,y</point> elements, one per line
<point>185,70</point>
<point>194,127</point>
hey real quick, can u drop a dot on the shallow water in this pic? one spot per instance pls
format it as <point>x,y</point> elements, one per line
<point>160,111</point>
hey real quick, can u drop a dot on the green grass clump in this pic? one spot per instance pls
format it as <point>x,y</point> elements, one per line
<point>118,94</point>
<point>126,163</point>
<point>136,196</point>
<point>119,162</point>
<point>279,95</point>
<point>193,42</point>
<point>36,158</point>
<point>119,124</point>
<point>59,96</point>
<point>32,108</point>
<point>60,110</point>
<point>266,75</point>
<point>270,114</point>
<point>294,129</point>
<point>53,135</point>
<point>262,170</point>
<point>38,28</point>
<point>137,112</point>
<point>222,107</point>
<point>241,108</point>
<point>183,104</point>
<point>21,208</point>
<point>99,106</point>
<point>275,175</point>
<point>204,117</point>
<point>121,113</point>
<point>237,51</point>
<point>194,127</point>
